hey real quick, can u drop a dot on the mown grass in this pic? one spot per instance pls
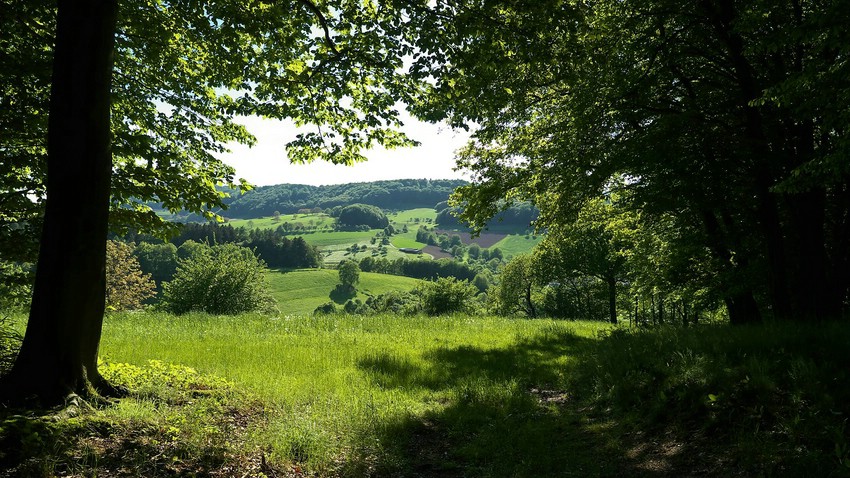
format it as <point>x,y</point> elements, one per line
<point>453,396</point>
<point>407,239</point>
<point>341,237</point>
<point>515,245</point>
<point>301,291</point>
<point>409,216</point>
<point>319,220</point>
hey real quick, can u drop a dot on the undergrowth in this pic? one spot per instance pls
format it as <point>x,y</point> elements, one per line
<point>177,422</point>
<point>769,400</point>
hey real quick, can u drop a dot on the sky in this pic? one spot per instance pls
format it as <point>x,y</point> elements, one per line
<point>266,163</point>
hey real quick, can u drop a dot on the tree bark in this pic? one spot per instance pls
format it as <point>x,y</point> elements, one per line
<point>59,353</point>
<point>612,299</point>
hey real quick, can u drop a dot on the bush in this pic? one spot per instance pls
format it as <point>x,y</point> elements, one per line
<point>446,295</point>
<point>223,279</point>
<point>327,308</point>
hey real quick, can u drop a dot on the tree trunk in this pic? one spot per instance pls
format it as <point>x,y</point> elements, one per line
<point>612,299</point>
<point>813,297</point>
<point>59,352</point>
<point>529,304</point>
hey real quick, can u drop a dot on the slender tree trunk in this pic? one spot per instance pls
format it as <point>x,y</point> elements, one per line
<point>612,299</point>
<point>59,353</point>
<point>529,304</point>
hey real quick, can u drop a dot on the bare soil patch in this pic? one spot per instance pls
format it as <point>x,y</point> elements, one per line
<point>485,240</point>
<point>436,252</point>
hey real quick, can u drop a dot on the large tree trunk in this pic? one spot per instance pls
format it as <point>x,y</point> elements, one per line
<point>59,352</point>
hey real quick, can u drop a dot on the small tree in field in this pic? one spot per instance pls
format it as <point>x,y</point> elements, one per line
<point>349,274</point>
<point>222,279</point>
<point>126,286</point>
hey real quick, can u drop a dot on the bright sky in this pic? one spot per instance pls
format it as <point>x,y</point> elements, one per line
<point>266,162</point>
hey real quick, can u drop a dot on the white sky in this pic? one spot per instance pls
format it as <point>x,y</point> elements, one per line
<point>266,163</point>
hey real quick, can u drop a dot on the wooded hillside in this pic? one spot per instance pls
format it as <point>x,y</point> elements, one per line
<point>289,198</point>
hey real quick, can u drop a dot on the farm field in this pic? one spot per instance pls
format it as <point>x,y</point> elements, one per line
<point>485,240</point>
<point>307,220</point>
<point>515,244</point>
<point>406,239</point>
<point>300,291</point>
<point>337,238</point>
<point>409,216</point>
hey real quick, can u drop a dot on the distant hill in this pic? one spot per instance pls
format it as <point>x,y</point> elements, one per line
<point>290,198</point>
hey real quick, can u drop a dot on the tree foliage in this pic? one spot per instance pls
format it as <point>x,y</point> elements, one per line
<point>349,274</point>
<point>723,122</point>
<point>355,215</point>
<point>518,287</point>
<point>290,198</point>
<point>127,287</point>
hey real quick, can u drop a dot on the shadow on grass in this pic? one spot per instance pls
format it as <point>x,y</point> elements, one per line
<point>709,401</point>
<point>504,413</point>
<point>340,294</point>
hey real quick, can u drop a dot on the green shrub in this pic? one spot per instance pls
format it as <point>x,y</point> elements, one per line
<point>446,295</point>
<point>222,279</point>
<point>327,308</point>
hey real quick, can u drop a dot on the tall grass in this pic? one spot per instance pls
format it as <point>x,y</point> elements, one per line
<point>457,396</point>
<point>340,390</point>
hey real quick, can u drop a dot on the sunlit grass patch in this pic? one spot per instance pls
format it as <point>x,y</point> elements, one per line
<point>347,394</point>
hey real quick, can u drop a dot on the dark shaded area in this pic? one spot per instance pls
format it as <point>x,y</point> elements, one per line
<point>519,431</point>
<point>342,293</point>
<point>666,402</point>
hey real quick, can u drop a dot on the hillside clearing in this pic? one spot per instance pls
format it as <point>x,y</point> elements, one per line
<point>300,291</point>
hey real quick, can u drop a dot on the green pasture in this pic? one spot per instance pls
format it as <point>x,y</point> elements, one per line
<point>323,239</point>
<point>409,216</point>
<point>514,245</point>
<point>301,291</point>
<point>319,220</point>
<point>406,239</point>
<point>383,396</point>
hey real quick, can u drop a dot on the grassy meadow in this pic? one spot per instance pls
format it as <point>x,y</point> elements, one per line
<point>515,244</point>
<point>301,291</point>
<point>319,220</point>
<point>353,396</point>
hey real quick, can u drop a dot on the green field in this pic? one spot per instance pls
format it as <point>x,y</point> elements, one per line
<point>307,220</point>
<point>322,239</point>
<point>515,244</point>
<point>396,396</point>
<point>409,216</point>
<point>380,396</point>
<point>299,292</point>
<point>406,239</point>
